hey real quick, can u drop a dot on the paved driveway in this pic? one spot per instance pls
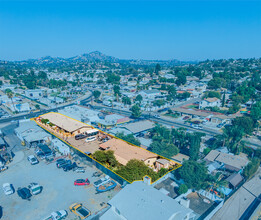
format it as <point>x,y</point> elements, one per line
<point>58,191</point>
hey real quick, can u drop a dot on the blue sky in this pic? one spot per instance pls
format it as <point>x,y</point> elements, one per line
<point>184,30</point>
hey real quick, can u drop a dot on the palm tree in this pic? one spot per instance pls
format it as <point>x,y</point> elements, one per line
<point>10,95</point>
<point>216,183</point>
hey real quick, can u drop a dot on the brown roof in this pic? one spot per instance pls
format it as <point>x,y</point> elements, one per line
<point>235,179</point>
<point>228,159</point>
<point>64,122</point>
<point>124,152</point>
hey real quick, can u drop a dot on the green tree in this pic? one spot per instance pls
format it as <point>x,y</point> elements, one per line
<point>129,138</point>
<point>212,94</point>
<point>135,111</point>
<point>136,170</point>
<point>256,111</point>
<point>234,108</point>
<point>96,94</point>
<point>194,174</point>
<point>100,156</point>
<point>37,106</point>
<point>216,83</point>
<point>194,147</point>
<point>181,79</point>
<point>138,98</point>
<point>182,189</point>
<point>116,90</point>
<point>126,100</point>
<point>106,157</point>
<point>244,122</point>
<point>251,168</point>
<point>223,99</point>
<point>113,78</point>
<point>10,95</point>
<point>163,149</point>
<point>157,68</point>
<point>232,137</point>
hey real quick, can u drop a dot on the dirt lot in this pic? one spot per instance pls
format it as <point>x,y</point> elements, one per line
<point>58,192</point>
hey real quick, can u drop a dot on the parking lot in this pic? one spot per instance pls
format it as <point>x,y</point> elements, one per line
<point>58,192</point>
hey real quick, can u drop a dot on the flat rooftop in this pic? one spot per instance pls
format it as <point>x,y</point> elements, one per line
<point>64,122</point>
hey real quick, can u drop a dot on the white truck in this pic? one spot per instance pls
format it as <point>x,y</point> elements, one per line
<point>58,215</point>
<point>35,188</point>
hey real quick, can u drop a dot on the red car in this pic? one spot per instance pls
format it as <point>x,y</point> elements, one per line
<point>81,182</point>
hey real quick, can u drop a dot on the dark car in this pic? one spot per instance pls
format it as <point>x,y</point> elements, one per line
<point>24,193</point>
<point>80,136</point>
<point>59,162</point>
<point>63,164</point>
<point>163,110</point>
<point>186,117</point>
<point>69,167</point>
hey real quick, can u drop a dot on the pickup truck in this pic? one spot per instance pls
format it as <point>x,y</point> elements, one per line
<point>58,215</point>
<point>79,210</point>
<point>35,188</point>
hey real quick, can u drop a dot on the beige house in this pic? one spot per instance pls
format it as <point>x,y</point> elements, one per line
<point>125,152</point>
<point>66,124</point>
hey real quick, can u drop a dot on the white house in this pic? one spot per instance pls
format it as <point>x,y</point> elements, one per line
<point>34,93</point>
<point>150,94</point>
<point>141,201</point>
<point>209,102</point>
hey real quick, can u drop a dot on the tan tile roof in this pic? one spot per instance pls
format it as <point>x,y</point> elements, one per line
<point>64,122</point>
<point>124,152</point>
<point>211,99</point>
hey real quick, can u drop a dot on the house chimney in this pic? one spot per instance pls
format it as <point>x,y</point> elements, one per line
<point>147,180</point>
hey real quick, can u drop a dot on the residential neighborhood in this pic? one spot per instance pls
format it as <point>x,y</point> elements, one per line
<point>140,139</point>
<point>130,110</point>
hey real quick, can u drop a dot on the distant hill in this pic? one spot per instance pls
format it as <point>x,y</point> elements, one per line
<point>97,56</point>
<point>94,56</point>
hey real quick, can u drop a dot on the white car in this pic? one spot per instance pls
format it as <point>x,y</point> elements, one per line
<point>32,159</point>
<point>8,189</point>
<point>58,215</point>
<point>89,139</point>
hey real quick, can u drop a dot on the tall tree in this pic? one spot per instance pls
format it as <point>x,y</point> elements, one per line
<point>96,94</point>
<point>10,95</point>
<point>135,111</point>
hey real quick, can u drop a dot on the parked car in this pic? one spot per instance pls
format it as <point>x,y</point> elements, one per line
<point>3,168</point>
<point>24,193</point>
<point>63,163</point>
<point>81,182</point>
<point>186,118</point>
<point>58,215</point>
<point>35,188</point>
<point>80,136</point>
<point>156,116</point>
<point>163,110</point>
<point>32,159</point>
<point>89,139</point>
<point>194,126</point>
<point>79,210</point>
<point>79,170</point>
<point>97,174</point>
<point>8,189</point>
<point>69,167</point>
